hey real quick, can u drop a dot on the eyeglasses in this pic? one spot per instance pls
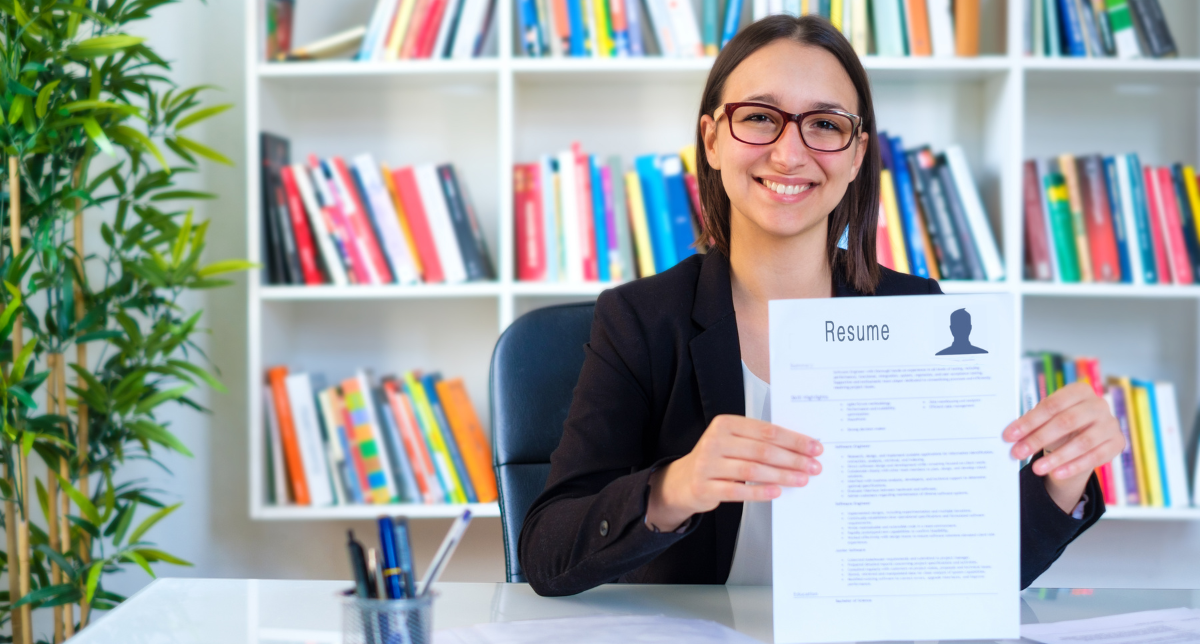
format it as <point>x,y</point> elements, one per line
<point>820,130</point>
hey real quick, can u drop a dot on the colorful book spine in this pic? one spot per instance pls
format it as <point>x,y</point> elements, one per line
<point>639,222</point>
<point>434,440</point>
<point>896,239</point>
<point>276,379</point>
<point>658,212</point>
<point>599,221</point>
<point>913,240</point>
<point>470,436</point>
<point>365,437</point>
<point>679,207</point>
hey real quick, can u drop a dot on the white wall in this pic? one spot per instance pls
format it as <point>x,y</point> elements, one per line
<point>212,528</point>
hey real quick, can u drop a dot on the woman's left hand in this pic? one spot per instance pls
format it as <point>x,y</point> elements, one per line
<point>1079,433</point>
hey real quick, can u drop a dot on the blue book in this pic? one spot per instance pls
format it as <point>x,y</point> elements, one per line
<point>1069,373</point>
<point>531,32</point>
<point>547,167</point>
<point>352,487</point>
<point>1142,218</point>
<point>578,38</point>
<point>633,23</point>
<point>1158,438</point>
<point>439,414</point>
<point>1072,28</point>
<point>603,256</point>
<point>658,213</point>
<point>906,198</point>
<point>1053,44</point>
<point>1118,222</point>
<point>733,20</point>
<point>406,482</point>
<point>679,203</point>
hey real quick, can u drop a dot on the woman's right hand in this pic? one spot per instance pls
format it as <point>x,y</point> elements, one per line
<point>733,451</point>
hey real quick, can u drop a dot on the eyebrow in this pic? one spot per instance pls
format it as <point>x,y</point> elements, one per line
<point>772,99</point>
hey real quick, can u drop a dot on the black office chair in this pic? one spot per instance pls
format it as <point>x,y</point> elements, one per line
<point>535,366</point>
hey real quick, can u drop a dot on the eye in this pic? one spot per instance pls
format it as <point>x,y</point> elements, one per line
<point>826,124</point>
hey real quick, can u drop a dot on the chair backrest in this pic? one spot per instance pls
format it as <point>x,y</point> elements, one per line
<point>535,366</point>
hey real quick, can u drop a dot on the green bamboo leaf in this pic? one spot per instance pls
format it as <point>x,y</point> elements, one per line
<point>97,135</point>
<point>88,104</point>
<point>43,497</point>
<point>200,372</point>
<point>18,372</point>
<point>150,521</point>
<point>152,554</point>
<point>203,150</point>
<point>23,397</point>
<point>77,10</point>
<point>57,558</point>
<point>17,88</point>
<point>93,580</point>
<point>96,335</point>
<point>42,594</point>
<point>13,306</point>
<point>26,443</point>
<point>182,194</point>
<point>181,239</point>
<point>226,266</point>
<point>103,45</point>
<point>150,431</point>
<point>200,115</point>
<point>17,109</point>
<point>123,523</point>
<point>43,98</point>
<point>110,497</point>
<point>85,504</point>
<point>146,143</point>
<point>135,557</point>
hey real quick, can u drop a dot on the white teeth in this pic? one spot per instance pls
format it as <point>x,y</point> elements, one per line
<point>782,189</point>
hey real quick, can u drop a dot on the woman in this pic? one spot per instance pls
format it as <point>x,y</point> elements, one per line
<point>667,438</point>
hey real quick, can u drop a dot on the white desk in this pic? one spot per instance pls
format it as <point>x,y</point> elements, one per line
<point>228,611</point>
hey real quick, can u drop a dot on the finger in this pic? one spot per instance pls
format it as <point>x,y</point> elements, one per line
<point>1055,403</point>
<point>1081,442</point>
<point>1097,456</point>
<point>776,435</point>
<point>728,491</point>
<point>749,449</point>
<point>732,469</point>
<point>1061,424</point>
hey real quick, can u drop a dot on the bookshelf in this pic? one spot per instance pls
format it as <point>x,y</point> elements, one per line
<point>488,113</point>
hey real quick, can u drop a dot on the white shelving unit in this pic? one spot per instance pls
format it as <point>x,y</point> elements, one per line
<point>486,114</point>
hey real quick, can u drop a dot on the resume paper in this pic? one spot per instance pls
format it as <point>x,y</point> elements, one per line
<point>911,531</point>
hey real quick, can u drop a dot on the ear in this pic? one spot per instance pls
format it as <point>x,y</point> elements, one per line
<point>708,132</point>
<point>860,152</point>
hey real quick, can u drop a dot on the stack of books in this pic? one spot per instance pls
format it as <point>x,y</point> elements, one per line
<point>1110,219</point>
<point>408,439</point>
<point>330,222</point>
<point>932,222</point>
<point>1097,29</point>
<point>580,218</point>
<point>1151,471</point>
<point>613,28</point>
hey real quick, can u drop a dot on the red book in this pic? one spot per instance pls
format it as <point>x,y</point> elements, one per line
<point>304,239</point>
<point>1102,242</point>
<point>1177,253</point>
<point>338,225</point>
<point>883,244</point>
<point>1104,474</point>
<point>1037,247</point>
<point>429,30</point>
<point>360,466</point>
<point>1157,234</point>
<point>527,207</point>
<point>412,34</point>
<point>418,223</point>
<point>414,443</point>
<point>357,217</point>
<point>587,218</point>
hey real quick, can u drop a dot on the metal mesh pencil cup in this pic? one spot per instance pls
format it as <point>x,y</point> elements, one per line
<point>387,621</point>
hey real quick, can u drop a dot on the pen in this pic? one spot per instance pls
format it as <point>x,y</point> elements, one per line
<point>358,564</point>
<point>372,580</point>
<point>445,551</point>
<point>404,557</point>
<point>391,560</point>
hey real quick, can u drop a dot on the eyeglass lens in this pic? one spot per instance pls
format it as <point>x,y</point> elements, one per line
<point>821,132</point>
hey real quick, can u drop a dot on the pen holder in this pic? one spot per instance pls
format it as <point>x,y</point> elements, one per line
<point>387,621</point>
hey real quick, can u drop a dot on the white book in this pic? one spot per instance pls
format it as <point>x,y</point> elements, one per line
<point>379,53</point>
<point>551,226</point>
<point>308,436</point>
<point>469,26</point>
<point>981,232</point>
<point>1029,390</point>
<point>444,239</point>
<point>376,29</point>
<point>443,34</point>
<point>1171,435</point>
<point>350,211</point>
<point>569,202</point>
<point>316,219</point>
<point>1132,238</point>
<point>1037,28</point>
<point>1043,172</point>
<point>941,28</point>
<point>660,20</point>
<point>395,246</point>
<point>279,478</point>
<point>774,7</point>
<point>760,9</point>
<point>683,22</point>
<point>592,42</point>
<point>860,24</point>
<point>364,387</point>
<point>337,456</point>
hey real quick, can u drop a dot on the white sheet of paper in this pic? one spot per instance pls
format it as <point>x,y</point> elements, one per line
<point>602,629</point>
<point>1170,626</point>
<point>911,531</point>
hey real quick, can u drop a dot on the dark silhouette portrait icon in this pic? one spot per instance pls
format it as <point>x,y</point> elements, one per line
<point>960,328</point>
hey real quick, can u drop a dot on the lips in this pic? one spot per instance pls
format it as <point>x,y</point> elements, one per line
<point>786,189</point>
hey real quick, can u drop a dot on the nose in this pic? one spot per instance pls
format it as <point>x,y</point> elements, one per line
<point>789,150</point>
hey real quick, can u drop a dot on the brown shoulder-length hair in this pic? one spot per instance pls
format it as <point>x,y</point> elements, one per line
<point>858,211</point>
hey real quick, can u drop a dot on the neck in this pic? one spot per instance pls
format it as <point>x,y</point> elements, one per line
<point>765,267</point>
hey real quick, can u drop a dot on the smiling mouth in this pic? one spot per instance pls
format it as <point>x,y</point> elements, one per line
<point>784,189</point>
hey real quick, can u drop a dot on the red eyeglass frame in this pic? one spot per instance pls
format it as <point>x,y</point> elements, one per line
<point>730,108</point>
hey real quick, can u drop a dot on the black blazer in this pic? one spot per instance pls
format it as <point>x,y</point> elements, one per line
<point>663,360</point>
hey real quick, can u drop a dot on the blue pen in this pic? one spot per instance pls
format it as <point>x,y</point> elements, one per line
<point>391,562</point>
<point>404,557</point>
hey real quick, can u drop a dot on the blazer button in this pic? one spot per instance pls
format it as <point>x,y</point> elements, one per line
<point>604,528</point>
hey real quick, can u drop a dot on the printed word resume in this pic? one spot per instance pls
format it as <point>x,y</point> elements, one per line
<point>911,531</point>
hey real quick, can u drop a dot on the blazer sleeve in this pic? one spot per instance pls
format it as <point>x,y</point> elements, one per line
<point>1045,529</point>
<point>587,527</point>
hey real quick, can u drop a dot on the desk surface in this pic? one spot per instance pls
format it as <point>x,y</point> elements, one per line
<point>230,611</point>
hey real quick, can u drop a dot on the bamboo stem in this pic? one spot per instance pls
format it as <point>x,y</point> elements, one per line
<point>67,619</point>
<point>18,342</point>
<point>81,409</point>
<point>52,518</point>
<point>14,570</point>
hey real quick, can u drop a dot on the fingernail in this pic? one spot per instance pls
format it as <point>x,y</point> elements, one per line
<point>817,448</point>
<point>799,479</point>
<point>1063,472</point>
<point>815,468</point>
<point>1021,451</point>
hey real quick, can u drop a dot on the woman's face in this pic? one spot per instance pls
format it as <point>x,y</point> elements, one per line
<point>784,189</point>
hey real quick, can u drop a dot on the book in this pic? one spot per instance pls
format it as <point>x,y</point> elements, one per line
<point>976,216</point>
<point>429,382</point>
<point>587,221</point>
<point>906,200</point>
<point>407,490</point>
<point>1147,432</point>
<point>367,438</point>
<point>474,253</point>
<point>1123,226</point>
<point>1124,37</point>
<point>599,219</point>
<point>916,24</point>
<point>288,439</point>
<point>283,262</point>
<point>658,211</point>
<point>1187,224</point>
<point>896,239</point>
<point>574,248</point>
<point>339,227</point>
<point>355,216</point>
<point>1153,208</point>
<point>1180,252</point>
<point>445,240</point>
<point>883,245</point>
<point>679,206</point>
<point>528,222</point>
<point>966,28</point>
<point>888,28</point>
<point>434,439</point>
<point>405,229</point>
<point>337,409</point>
<point>415,447</point>
<point>1120,409</point>
<point>733,20</point>
<point>1102,244</point>
<point>1152,25</point>
<point>1171,443</point>
<point>621,217</point>
<point>409,192</point>
<point>331,257</point>
<point>1072,30</point>
<point>306,251</point>
<point>279,489</point>
<point>378,206</point>
<point>308,437</point>
<point>954,203</point>
<point>1062,227</point>
<point>339,448</point>
<point>639,223</point>
<point>552,221</point>
<point>1037,245</point>
<point>1131,181</point>
<point>1079,226</point>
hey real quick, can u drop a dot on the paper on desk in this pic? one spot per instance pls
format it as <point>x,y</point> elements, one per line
<point>911,531</point>
<point>603,629</point>
<point>1171,626</point>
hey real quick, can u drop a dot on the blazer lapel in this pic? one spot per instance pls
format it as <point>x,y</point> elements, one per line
<point>717,361</point>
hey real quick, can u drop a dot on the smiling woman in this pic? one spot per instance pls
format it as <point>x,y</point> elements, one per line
<point>668,455</point>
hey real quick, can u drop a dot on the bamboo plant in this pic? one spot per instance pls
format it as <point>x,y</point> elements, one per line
<point>93,342</point>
